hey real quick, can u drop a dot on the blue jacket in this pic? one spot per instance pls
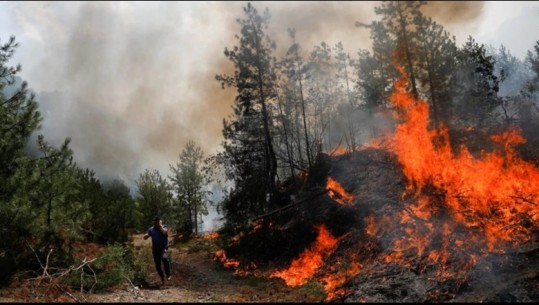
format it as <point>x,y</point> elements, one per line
<point>159,241</point>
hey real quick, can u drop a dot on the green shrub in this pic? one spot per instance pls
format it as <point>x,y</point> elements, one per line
<point>113,266</point>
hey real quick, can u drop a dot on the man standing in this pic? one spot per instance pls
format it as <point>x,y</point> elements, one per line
<point>159,234</point>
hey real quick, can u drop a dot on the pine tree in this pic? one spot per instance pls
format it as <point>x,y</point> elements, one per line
<point>249,156</point>
<point>117,213</point>
<point>436,52</point>
<point>89,195</point>
<point>397,19</point>
<point>292,108</point>
<point>475,87</point>
<point>155,197</point>
<point>189,181</point>
<point>19,117</point>
<point>34,188</point>
<point>375,72</point>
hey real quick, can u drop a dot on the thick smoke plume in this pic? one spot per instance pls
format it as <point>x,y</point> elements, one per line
<point>131,82</point>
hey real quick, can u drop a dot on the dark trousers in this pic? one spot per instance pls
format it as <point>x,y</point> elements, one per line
<point>160,256</point>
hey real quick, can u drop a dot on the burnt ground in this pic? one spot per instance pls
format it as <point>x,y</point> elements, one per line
<point>500,278</point>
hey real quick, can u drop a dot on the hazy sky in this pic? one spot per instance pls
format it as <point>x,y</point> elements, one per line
<point>131,82</point>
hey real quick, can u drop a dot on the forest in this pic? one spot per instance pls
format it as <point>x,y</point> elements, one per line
<point>298,119</point>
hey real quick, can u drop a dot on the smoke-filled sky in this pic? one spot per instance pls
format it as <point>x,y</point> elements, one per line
<point>131,82</point>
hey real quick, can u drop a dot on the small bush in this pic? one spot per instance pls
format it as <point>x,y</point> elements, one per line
<point>113,266</point>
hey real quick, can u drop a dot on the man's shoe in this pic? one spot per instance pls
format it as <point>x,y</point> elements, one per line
<point>163,280</point>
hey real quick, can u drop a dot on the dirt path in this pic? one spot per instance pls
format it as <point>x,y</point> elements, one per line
<point>197,278</point>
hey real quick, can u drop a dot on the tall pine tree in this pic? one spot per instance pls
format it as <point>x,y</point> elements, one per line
<point>189,182</point>
<point>249,156</point>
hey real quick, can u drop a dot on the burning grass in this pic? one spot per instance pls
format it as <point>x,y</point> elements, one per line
<point>304,267</point>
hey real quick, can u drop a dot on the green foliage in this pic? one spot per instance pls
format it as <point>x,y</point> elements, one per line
<point>117,214</point>
<point>283,116</point>
<point>417,43</point>
<point>189,180</point>
<point>155,196</point>
<point>436,52</point>
<point>24,183</point>
<point>475,87</point>
<point>249,157</point>
<point>56,184</point>
<point>88,199</point>
<point>19,117</point>
<point>373,82</point>
<point>115,265</point>
<point>398,22</point>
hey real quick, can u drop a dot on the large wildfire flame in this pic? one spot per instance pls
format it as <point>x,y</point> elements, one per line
<point>456,209</point>
<point>480,205</point>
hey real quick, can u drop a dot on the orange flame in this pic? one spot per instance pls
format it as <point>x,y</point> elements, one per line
<point>481,204</point>
<point>333,281</point>
<point>304,267</point>
<point>337,193</point>
<point>220,256</point>
<point>457,208</point>
<point>338,150</point>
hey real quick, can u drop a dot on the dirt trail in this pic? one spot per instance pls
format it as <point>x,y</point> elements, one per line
<point>195,278</point>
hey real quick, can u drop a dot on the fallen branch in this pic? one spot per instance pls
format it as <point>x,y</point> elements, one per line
<point>53,280</point>
<point>138,294</point>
